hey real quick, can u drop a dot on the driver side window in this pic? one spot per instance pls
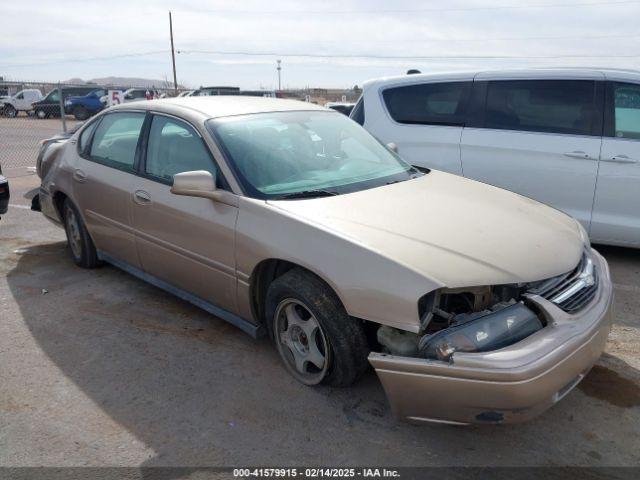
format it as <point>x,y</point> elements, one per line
<point>175,147</point>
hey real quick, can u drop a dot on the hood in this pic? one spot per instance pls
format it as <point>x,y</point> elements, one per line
<point>454,231</point>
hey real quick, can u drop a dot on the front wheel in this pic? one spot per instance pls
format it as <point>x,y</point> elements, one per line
<point>80,113</point>
<point>317,340</point>
<point>10,111</point>
<point>83,251</point>
<point>41,114</point>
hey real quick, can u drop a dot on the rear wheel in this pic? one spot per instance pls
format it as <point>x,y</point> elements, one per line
<point>80,113</point>
<point>83,251</point>
<point>10,111</point>
<point>317,340</point>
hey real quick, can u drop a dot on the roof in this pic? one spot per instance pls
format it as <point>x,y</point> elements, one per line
<point>552,73</point>
<point>222,106</point>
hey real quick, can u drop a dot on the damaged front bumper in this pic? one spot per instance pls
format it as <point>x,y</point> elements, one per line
<point>510,385</point>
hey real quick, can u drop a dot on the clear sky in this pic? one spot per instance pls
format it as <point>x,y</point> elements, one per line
<point>348,41</point>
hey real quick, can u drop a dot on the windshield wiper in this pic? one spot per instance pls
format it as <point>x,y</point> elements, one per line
<point>307,194</point>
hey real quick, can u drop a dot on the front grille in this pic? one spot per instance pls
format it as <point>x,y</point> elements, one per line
<point>571,291</point>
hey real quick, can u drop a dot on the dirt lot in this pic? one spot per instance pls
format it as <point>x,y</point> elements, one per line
<point>98,368</point>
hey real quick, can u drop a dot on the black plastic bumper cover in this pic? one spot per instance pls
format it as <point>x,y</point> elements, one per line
<point>4,195</point>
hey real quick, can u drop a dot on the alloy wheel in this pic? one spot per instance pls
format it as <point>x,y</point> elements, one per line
<point>301,342</point>
<point>73,232</point>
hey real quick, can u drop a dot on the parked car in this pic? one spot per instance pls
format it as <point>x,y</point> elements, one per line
<point>186,93</point>
<point>568,138</point>
<point>4,193</point>
<point>214,91</point>
<point>20,102</point>
<point>472,303</point>
<point>341,107</point>
<point>137,94</point>
<point>83,107</point>
<point>49,106</point>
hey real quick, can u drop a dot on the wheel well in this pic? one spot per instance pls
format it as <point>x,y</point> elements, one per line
<point>58,202</point>
<point>263,274</point>
<point>267,271</point>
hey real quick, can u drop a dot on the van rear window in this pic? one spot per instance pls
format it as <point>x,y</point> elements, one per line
<point>428,103</point>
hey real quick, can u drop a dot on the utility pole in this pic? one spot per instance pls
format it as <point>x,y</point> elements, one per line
<point>173,55</point>
<point>279,68</point>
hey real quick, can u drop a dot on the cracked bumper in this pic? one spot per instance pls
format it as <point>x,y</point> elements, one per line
<point>510,385</point>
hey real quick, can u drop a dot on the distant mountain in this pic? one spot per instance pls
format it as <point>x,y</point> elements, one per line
<point>125,82</point>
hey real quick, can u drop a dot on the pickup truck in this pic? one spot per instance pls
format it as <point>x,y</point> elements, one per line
<point>83,107</point>
<point>20,102</point>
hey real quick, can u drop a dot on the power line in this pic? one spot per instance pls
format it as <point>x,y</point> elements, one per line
<point>86,59</point>
<point>396,57</point>
<point>417,10</point>
<point>483,39</point>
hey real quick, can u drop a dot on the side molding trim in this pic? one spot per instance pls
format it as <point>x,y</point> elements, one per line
<point>246,326</point>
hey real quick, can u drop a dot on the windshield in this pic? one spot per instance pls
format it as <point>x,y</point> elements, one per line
<point>279,154</point>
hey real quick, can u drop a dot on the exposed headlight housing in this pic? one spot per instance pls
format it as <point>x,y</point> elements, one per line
<point>482,332</point>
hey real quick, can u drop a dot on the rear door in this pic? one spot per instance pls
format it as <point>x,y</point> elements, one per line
<point>540,138</point>
<point>187,242</point>
<point>103,182</point>
<point>423,119</point>
<point>616,211</point>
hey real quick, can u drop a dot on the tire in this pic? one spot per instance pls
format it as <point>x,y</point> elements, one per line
<point>41,114</point>
<point>10,111</point>
<point>306,318</point>
<point>83,251</point>
<point>80,113</point>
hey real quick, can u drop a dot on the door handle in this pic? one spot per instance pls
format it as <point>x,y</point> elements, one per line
<point>141,197</point>
<point>578,154</point>
<point>620,159</point>
<point>79,176</point>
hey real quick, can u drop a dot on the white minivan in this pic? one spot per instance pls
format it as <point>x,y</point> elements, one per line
<point>568,138</point>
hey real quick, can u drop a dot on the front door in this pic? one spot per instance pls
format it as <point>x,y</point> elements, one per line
<point>187,242</point>
<point>616,210</point>
<point>541,139</point>
<point>103,181</point>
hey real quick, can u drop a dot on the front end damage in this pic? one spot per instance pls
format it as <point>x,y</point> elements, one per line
<point>500,354</point>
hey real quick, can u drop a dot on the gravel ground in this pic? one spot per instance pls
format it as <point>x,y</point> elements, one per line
<point>98,368</point>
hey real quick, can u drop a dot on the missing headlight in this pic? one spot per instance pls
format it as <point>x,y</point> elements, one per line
<point>483,331</point>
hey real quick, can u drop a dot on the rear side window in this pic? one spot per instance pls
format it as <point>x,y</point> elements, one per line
<point>357,114</point>
<point>116,139</point>
<point>429,103</point>
<point>553,106</point>
<point>85,136</point>
<point>175,147</point>
<point>626,100</point>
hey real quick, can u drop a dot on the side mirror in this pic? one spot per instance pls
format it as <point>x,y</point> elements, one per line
<point>393,147</point>
<point>198,183</point>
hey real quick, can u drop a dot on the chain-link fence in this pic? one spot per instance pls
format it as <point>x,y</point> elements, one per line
<point>33,111</point>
